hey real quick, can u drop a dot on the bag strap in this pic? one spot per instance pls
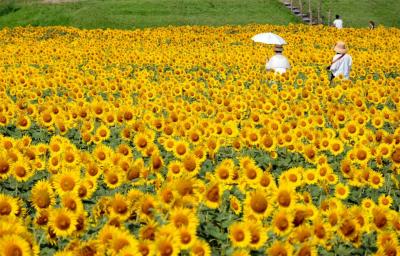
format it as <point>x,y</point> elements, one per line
<point>333,62</point>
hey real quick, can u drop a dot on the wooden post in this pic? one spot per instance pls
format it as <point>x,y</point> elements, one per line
<point>310,11</point>
<point>301,6</point>
<point>329,17</point>
<point>319,12</point>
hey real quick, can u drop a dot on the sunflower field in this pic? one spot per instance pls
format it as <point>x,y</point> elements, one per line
<point>176,141</point>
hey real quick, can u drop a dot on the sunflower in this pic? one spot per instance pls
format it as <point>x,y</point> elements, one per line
<point>213,195</point>
<point>258,234</point>
<point>72,202</point>
<point>186,186</point>
<point>145,247</point>
<point>342,191</point>
<point>183,217</point>
<point>385,200</point>
<point>66,181</point>
<point>125,150</point>
<point>9,206</point>
<point>396,157</point>
<point>70,158</point>
<point>212,146</point>
<point>136,170</point>
<point>267,143</point>
<point>62,222</point>
<point>279,248</point>
<point>101,153</point>
<point>380,218</point>
<point>23,123</point>
<point>310,176</point>
<point>348,229</point>
<point>235,205</point>
<point>331,178</point>
<point>384,238</point>
<point>301,213</point>
<point>81,223</point>
<point>11,245</point>
<point>166,246</point>
<point>42,195</point>
<point>285,196</point>
<point>167,196</point>
<point>92,170</point>
<point>106,234</point>
<point>253,137</point>
<point>114,178</point>
<point>257,205</point>
<point>5,166</point>
<point>362,154</point>
<point>21,171</point>
<point>307,249</point>
<point>181,148</point>
<point>175,169</point>
<point>389,248</point>
<point>333,217</point>
<point>83,248</point>
<point>310,153</point>
<point>126,133</point>
<point>119,207</point>
<point>122,240</point>
<point>142,141</point>
<point>239,235</point>
<point>292,177</point>
<point>282,222</point>
<point>41,218</point>
<point>191,165</point>
<point>200,248</point>
<point>128,251</point>
<point>336,146</point>
<point>148,231</point>
<point>187,237</point>
<point>146,207</point>
<point>321,231</point>
<point>224,171</point>
<point>103,132</point>
<point>251,174</point>
<point>156,162</point>
<point>376,179</point>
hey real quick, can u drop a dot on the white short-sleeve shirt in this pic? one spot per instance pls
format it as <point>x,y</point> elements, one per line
<point>342,66</point>
<point>278,63</point>
<point>338,23</point>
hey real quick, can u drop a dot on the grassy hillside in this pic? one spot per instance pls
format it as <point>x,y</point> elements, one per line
<point>357,13</point>
<point>141,13</point>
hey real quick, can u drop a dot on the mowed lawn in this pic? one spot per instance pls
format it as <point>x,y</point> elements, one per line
<point>127,14</point>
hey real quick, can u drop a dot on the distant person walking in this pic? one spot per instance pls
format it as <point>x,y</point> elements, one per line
<point>341,62</point>
<point>338,22</point>
<point>371,24</point>
<point>278,62</point>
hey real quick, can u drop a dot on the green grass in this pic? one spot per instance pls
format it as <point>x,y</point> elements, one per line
<point>357,13</point>
<point>126,14</point>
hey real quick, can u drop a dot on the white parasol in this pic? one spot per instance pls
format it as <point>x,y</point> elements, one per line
<point>268,38</point>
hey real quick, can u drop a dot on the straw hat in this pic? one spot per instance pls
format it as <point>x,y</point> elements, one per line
<point>278,48</point>
<point>340,47</point>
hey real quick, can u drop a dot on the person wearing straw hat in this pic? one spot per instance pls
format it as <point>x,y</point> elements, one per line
<point>278,62</point>
<point>341,62</point>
